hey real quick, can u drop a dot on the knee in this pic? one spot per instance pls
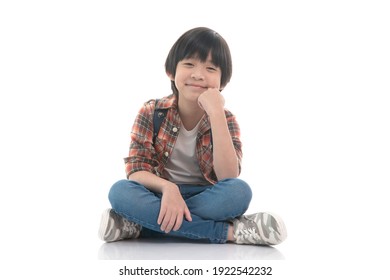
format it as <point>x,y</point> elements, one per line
<point>115,192</point>
<point>240,191</point>
<point>235,193</point>
<point>120,193</point>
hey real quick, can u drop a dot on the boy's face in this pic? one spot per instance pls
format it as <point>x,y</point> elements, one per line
<point>193,77</point>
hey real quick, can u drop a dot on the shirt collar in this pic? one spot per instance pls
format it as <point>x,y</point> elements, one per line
<point>167,102</point>
<point>171,102</point>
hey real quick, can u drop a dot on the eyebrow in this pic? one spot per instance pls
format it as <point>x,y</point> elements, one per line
<point>197,58</point>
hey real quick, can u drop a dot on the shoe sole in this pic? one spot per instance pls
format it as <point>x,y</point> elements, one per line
<point>104,223</point>
<point>282,227</point>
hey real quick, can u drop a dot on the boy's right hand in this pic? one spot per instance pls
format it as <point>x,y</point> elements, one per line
<point>173,209</point>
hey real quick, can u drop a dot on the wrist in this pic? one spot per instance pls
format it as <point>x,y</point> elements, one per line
<point>168,186</point>
<point>216,113</point>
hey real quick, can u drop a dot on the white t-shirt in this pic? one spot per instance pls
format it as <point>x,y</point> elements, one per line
<point>182,166</point>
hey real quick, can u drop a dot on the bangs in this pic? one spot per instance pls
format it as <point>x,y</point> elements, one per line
<point>201,47</point>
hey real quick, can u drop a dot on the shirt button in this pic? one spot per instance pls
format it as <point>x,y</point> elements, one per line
<point>166,154</point>
<point>174,129</point>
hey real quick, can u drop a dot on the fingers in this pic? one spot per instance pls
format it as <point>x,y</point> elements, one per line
<point>161,215</point>
<point>187,214</point>
<point>178,223</point>
<point>164,219</point>
<point>180,218</point>
<point>211,99</point>
<point>173,209</point>
<point>169,221</point>
<point>200,105</point>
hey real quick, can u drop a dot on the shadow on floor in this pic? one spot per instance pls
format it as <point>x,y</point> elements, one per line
<point>183,249</point>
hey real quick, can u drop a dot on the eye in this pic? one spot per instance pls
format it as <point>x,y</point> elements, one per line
<point>212,68</point>
<point>188,64</point>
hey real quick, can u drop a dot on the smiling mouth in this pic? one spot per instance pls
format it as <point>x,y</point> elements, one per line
<point>196,86</point>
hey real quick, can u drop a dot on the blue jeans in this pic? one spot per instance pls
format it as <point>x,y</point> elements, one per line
<point>211,207</point>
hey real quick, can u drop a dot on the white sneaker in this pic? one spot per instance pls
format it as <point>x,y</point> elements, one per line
<point>114,227</point>
<point>259,229</point>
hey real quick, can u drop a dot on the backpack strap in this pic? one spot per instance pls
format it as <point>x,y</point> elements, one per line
<point>158,118</point>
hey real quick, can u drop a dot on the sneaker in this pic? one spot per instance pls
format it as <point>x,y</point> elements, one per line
<point>259,229</point>
<point>114,227</point>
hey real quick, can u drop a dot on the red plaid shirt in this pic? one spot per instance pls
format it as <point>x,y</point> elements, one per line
<point>145,156</point>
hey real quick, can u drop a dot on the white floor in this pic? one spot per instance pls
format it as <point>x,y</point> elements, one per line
<point>179,249</point>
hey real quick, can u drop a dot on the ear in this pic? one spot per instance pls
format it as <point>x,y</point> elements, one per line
<point>170,76</point>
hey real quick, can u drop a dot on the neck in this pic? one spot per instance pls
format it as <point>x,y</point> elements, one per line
<point>190,115</point>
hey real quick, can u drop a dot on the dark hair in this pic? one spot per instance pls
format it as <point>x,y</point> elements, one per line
<point>198,43</point>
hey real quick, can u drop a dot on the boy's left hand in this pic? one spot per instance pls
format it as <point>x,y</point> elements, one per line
<point>211,101</point>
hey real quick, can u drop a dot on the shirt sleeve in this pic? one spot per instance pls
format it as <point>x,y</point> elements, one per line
<point>235,133</point>
<point>141,153</point>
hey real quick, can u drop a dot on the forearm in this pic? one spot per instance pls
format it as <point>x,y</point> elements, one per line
<point>173,207</point>
<point>151,181</point>
<point>226,164</point>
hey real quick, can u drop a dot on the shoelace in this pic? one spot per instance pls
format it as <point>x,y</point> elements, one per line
<point>129,227</point>
<point>248,233</point>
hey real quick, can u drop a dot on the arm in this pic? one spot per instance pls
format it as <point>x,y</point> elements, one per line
<point>173,207</point>
<point>226,162</point>
<point>140,168</point>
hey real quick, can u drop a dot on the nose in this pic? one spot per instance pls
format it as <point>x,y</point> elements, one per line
<point>197,74</point>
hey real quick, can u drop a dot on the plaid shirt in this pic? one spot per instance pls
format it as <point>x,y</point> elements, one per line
<point>144,156</point>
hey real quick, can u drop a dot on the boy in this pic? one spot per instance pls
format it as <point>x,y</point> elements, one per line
<point>183,180</point>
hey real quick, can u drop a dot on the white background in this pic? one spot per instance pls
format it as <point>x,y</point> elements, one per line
<point>310,89</point>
